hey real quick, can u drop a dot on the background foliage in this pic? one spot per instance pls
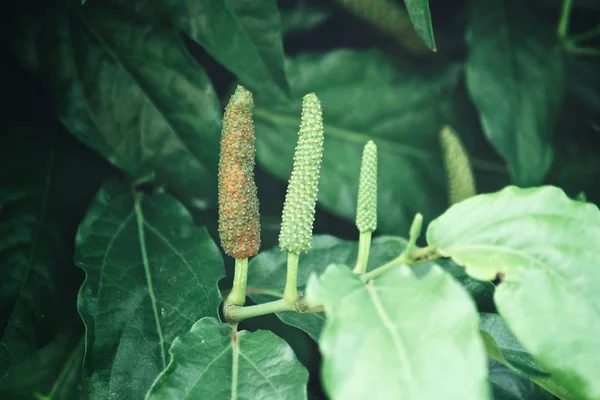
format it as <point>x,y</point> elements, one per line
<point>112,94</point>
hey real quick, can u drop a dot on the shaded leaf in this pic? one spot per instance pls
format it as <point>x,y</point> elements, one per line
<point>212,361</point>
<point>515,77</point>
<point>506,385</point>
<point>150,274</point>
<point>301,15</point>
<point>393,337</point>
<point>267,272</point>
<point>418,10</point>
<point>366,96</point>
<point>545,245</point>
<point>130,90</point>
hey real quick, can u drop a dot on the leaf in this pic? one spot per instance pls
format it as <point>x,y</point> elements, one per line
<point>393,337</point>
<point>55,369</point>
<point>150,274</point>
<point>267,273</point>
<point>366,96</point>
<point>515,77</point>
<point>545,245</point>
<point>243,36</point>
<point>418,10</point>
<point>41,201</point>
<point>130,90</point>
<point>298,16</point>
<point>508,386</point>
<point>503,346</point>
<point>212,361</point>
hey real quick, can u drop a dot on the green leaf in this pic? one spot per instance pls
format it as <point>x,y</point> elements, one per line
<point>243,36</point>
<point>267,273</point>
<point>298,16</point>
<point>213,361</point>
<point>130,90</point>
<point>546,245</point>
<point>150,274</point>
<point>515,77</point>
<point>366,96</point>
<point>41,202</point>
<point>418,10</point>
<point>506,385</point>
<point>54,370</point>
<point>395,336</point>
<point>501,345</point>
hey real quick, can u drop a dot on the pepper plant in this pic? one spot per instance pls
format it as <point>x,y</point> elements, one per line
<point>297,199</point>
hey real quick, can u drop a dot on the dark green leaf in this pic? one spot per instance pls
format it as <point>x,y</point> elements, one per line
<point>130,90</point>
<point>515,77</point>
<point>418,10</point>
<point>366,96</point>
<point>302,15</point>
<point>506,385</point>
<point>546,245</point>
<point>244,36</point>
<point>395,336</point>
<point>212,361</point>
<point>54,372</point>
<point>151,273</point>
<point>267,272</point>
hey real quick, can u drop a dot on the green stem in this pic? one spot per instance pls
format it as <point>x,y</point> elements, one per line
<point>565,16</point>
<point>364,246</point>
<point>418,256</point>
<point>237,296</point>
<point>414,233</point>
<point>377,272</point>
<point>235,314</point>
<point>290,292</point>
<point>585,35</point>
<point>582,51</point>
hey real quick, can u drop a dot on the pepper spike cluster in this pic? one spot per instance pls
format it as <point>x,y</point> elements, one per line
<point>239,220</point>
<point>366,210</point>
<point>301,197</point>
<point>461,183</point>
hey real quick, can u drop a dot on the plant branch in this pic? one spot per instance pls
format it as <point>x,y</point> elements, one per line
<point>234,314</point>
<point>364,247</point>
<point>237,296</point>
<point>290,293</point>
<point>585,35</point>
<point>418,256</point>
<point>565,16</point>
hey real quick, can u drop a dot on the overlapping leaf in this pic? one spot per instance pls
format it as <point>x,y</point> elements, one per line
<point>212,361</point>
<point>546,245</point>
<point>130,90</point>
<point>394,336</point>
<point>366,96</point>
<point>515,77</point>
<point>150,274</point>
<point>419,13</point>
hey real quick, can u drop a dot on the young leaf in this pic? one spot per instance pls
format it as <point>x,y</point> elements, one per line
<point>212,361</point>
<point>418,10</point>
<point>150,273</point>
<point>515,77</point>
<point>393,337</point>
<point>266,273</point>
<point>360,93</point>
<point>130,90</point>
<point>506,385</point>
<point>546,245</point>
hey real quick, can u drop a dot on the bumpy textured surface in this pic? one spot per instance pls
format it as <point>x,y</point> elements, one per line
<point>461,184</point>
<point>366,210</point>
<point>301,197</point>
<point>239,224</point>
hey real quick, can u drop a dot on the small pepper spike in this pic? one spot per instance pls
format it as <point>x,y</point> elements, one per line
<point>461,183</point>
<point>301,197</point>
<point>239,223</point>
<point>366,211</point>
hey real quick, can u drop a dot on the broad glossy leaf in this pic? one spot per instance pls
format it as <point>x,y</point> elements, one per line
<point>213,361</point>
<point>150,274</point>
<point>546,245</point>
<point>41,201</point>
<point>418,10</point>
<point>506,385</point>
<point>267,272</point>
<point>243,36</point>
<point>515,77</point>
<point>129,89</point>
<point>366,96</point>
<point>399,336</point>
